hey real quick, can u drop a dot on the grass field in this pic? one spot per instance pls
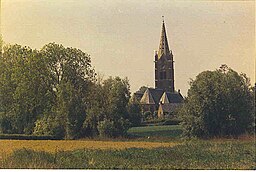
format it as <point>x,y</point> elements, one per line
<point>230,154</point>
<point>153,147</point>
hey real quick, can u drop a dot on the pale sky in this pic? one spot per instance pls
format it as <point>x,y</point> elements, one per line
<point>121,36</point>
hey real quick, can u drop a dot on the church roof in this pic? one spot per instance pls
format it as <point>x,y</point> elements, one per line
<point>164,99</point>
<point>151,96</point>
<point>171,97</point>
<point>163,47</point>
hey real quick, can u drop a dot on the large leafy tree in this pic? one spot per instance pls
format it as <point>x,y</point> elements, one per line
<point>25,92</point>
<point>219,103</point>
<point>46,87</point>
<point>71,76</point>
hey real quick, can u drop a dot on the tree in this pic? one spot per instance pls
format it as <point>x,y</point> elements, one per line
<point>219,103</point>
<point>71,76</point>
<point>25,92</point>
<point>108,108</point>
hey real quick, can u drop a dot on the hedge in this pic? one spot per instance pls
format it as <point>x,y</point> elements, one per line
<point>26,137</point>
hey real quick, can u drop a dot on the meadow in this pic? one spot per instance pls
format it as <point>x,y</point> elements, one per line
<point>151,147</point>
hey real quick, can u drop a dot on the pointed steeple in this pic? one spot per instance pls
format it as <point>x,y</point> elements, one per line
<point>163,47</point>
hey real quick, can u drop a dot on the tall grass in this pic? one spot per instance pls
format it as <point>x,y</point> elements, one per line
<point>190,155</point>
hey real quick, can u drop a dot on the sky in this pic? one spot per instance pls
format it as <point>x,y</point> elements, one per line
<point>121,36</point>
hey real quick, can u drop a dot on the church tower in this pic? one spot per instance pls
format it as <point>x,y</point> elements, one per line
<point>164,71</point>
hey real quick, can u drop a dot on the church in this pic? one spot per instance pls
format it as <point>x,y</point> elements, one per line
<point>162,99</point>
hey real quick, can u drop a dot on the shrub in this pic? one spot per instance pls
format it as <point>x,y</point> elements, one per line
<point>49,125</point>
<point>108,128</point>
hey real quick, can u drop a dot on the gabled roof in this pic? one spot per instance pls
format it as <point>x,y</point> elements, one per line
<point>164,99</point>
<point>147,98</point>
<point>151,96</point>
<point>173,97</point>
<point>155,96</point>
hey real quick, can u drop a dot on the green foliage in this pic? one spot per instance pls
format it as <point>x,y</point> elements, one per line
<point>190,155</point>
<point>24,90</point>
<point>5,124</point>
<point>134,112</point>
<point>106,128</point>
<point>34,84</point>
<point>108,108</point>
<point>49,125</point>
<point>219,103</point>
<point>72,76</point>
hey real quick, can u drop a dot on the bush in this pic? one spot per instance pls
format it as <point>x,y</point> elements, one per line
<point>108,128</point>
<point>147,115</point>
<point>219,103</point>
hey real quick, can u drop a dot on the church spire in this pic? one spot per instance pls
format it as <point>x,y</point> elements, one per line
<point>164,69</point>
<point>163,47</point>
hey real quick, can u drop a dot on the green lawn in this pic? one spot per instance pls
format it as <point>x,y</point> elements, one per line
<point>168,131</point>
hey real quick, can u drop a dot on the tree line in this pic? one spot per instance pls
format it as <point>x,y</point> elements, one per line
<point>55,91</point>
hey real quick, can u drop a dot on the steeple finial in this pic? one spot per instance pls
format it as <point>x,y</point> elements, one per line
<point>163,18</point>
